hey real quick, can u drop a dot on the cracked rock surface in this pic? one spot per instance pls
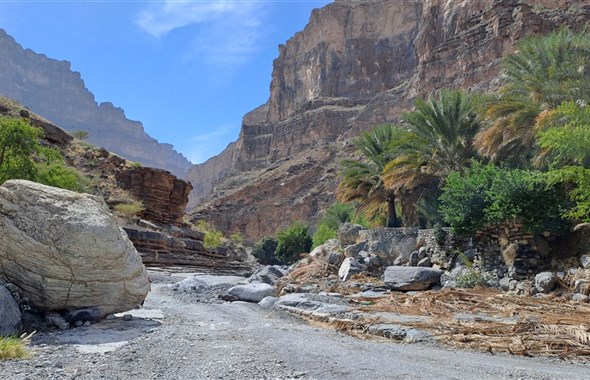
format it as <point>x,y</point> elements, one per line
<point>64,251</point>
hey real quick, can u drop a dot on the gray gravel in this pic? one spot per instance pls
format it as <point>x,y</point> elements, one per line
<point>196,340</point>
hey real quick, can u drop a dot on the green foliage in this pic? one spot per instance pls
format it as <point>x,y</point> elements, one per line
<point>362,180</point>
<point>80,134</point>
<point>14,348</point>
<point>18,143</point>
<point>323,233</point>
<point>337,214</point>
<point>129,210</point>
<point>23,157</point>
<point>470,278</point>
<point>264,251</point>
<point>334,216</point>
<point>487,194</point>
<point>136,164</point>
<point>237,238</point>
<point>543,73</point>
<point>292,241</point>
<point>213,239</point>
<point>577,180</point>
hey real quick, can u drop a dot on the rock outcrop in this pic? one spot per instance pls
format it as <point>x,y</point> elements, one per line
<point>163,195</point>
<point>49,88</point>
<point>356,64</point>
<point>64,251</point>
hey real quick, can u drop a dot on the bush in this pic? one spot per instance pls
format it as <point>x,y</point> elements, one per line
<point>59,175</point>
<point>80,134</point>
<point>264,251</point>
<point>212,239</point>
<point>293,241</point>
<point>487,194</point>
<point>19,141</point>
<point>237,238</point>
<point>470,278</point>
<point>129,209</point>
<point>323,233</point>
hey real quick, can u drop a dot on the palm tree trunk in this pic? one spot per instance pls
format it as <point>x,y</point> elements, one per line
<point>392,220</point>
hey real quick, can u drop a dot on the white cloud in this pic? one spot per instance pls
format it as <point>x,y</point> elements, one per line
<point>226,33</point>
<point>201,147</point>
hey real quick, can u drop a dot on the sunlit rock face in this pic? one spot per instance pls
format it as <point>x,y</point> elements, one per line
<point>355,65</point>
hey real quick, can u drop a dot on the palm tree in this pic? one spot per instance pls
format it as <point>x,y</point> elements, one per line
<point>434,140</point>
<point>542,73</point>
<point>362,180</point>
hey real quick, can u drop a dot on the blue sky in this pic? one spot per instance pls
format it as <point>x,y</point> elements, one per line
<point>188,70</point>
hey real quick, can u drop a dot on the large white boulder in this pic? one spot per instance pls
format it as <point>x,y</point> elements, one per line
<point>64,250</point>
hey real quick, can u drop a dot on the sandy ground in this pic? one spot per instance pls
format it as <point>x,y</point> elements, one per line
<point>175,337</point>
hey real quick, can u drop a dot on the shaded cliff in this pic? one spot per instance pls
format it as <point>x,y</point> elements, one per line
<point>49,88</point>
<point>356,64</point>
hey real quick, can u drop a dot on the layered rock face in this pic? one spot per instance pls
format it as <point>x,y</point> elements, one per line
<point>64,250</point>
<point>356,65</point>
<point>49,88</point>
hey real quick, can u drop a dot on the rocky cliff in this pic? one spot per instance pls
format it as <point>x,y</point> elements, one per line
<point>49,88</point>
<point>355,65</point>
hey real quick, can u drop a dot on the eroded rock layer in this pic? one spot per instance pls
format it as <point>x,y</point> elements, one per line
<point>356,64</point>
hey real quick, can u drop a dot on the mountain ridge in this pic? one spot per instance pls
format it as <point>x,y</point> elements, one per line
<point>51,89</point>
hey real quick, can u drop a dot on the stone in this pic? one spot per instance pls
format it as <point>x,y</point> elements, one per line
<point>10,315</point>
<point>422,253</point>
<point>349,267</point>
<point>267,302</point>
<point>425,262</point>
<point>414,258</point>
<point>411,278</point>
<point>356,250</point>
<point>398,332</point>
<point>582,286</point>
<point>268,274</point>
<point>577,297</point>
<point>55,319</point>
<point>64,250</point>
<point>190,284</point>
<point>585,261</point>
<point>545,282</point>
<point>252,292</point>
<point>92,314</point>
<point>349,234</point>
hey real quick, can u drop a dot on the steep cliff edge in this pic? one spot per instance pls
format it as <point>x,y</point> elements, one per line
<point>355,65</point>
<point>49,88</point>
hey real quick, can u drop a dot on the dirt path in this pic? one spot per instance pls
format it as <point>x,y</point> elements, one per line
<point>185,340</point>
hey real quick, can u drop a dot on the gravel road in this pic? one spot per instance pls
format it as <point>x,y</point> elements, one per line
<point>182,339</point>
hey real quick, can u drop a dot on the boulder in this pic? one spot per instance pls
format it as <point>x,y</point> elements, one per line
<point>349,234</point>
<point>545,282</point>
<point>64,250</point>
<point>268,274</point>
<point>329,252</point>
<point>585,261</point>
<point>411,278</point>
<point>349,267</point>
<point>577,297</point>
<point>10,316</point>
<point>253,292</point>
<point>190,285</point>
<point>268,302</point>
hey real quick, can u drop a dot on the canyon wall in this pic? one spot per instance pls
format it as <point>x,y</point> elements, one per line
<point>356,64</point>
<point>51,89</point>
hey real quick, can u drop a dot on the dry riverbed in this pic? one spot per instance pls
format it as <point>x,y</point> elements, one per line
<point>178,336</point>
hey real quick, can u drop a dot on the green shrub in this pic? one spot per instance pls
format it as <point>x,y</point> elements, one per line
<point>129,209</point>
<point>59,175</point>
<point>212,239</point>
<point>470,278</point>
<point>323,233</point>
<point>487,194</point>
<point>264,251</point>
<point>237,238</point>
<point>293,241</point>
<point>19,141</point>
